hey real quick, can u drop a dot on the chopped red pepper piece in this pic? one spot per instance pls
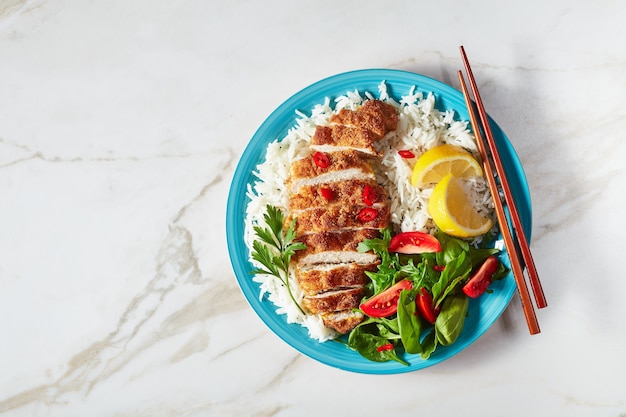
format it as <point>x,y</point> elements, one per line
<point>327,193</point>
<point>321,160</point>
<point>369,195</point>
<point>387,346</point>
<point>406,154</point>
<point>439,267</point>
<point>367,214</point>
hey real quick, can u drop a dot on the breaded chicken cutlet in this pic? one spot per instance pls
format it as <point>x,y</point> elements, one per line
<point>338,204</point>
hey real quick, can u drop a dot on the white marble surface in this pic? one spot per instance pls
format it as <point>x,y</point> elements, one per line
<point>121,123</point>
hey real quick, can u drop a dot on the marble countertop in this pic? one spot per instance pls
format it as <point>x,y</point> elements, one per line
<point>122,122</point>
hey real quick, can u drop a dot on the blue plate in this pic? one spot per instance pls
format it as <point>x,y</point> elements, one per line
<point>483,312</point>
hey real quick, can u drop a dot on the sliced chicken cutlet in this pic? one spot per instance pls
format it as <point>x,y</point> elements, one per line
<point>390,115</point>
<point>376,116</point>
<point>336,300</point>
<point>320,278</point>
<point>342,137</point>
<point>338,247</point>
<point>350,192</point>
<point>342,321</point>
<point>338,204</point>
<point>340,165</point>
<point>339,216</point>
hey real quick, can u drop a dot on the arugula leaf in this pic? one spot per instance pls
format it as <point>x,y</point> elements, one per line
<point>423,274</point>
<point>275,248</point>
<point>387,271</point>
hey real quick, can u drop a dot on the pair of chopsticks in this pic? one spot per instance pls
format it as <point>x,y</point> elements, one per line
<point>512,232</point>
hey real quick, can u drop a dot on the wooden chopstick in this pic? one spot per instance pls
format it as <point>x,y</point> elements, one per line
<point>513,234</point>
<point>508,196</point>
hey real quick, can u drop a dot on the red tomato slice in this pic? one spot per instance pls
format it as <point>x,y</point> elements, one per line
<point>478,283</point>
<point>424,302</point>
<point>386,303</point>
<point>413,243</point>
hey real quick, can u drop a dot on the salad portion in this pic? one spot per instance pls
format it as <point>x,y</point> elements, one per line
<point>421,292</point>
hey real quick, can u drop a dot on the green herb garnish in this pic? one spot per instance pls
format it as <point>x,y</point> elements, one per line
<point>275,248</point>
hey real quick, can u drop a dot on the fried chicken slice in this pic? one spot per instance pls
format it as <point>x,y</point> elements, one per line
<point>335,247</point>
<point>342,165</point>
<point>342,216</point>
<point>344,137</point>
<point>320,278</point>
<point>376,116</point>
<point>342,321</point>
<point>350,192</point>
<point>389,113</point>
<point>337,300</point>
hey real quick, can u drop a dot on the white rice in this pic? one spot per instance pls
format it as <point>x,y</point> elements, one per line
<point>420,127</point>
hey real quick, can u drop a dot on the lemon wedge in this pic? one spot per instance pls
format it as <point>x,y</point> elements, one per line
<point>453,212</point>
<point>441,160</point>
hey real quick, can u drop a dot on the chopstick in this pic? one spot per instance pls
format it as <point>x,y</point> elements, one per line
<point>513,233</point>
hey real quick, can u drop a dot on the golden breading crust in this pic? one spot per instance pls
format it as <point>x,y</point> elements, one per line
<point>344,136</point>
<point>374,122</point>
<point>339,216</point>
<point>316,280</point>
<point>334,300</point>
<point>343,240</point>
<point>376,116</point>
<point>390,116</point>
<point>350,192</point>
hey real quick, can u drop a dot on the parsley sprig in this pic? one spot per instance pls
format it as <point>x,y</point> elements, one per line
<point>275,248</point>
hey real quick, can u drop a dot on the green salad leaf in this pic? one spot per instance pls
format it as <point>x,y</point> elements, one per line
<point>275,248</point>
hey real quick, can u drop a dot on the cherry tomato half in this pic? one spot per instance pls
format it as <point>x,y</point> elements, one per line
<point>478,283</point>
<point>386,303</point>
<point>413,243</point>
<point>424,302</point>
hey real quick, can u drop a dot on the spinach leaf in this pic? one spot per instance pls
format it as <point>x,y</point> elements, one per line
<point>451,318</point>
<point>501,272</point>
<point>457,270</point>
<point>409,322</point>
<point>478,256</point>
<point>372,346</point>
<point>451,248</point>
<point>429,344</point>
